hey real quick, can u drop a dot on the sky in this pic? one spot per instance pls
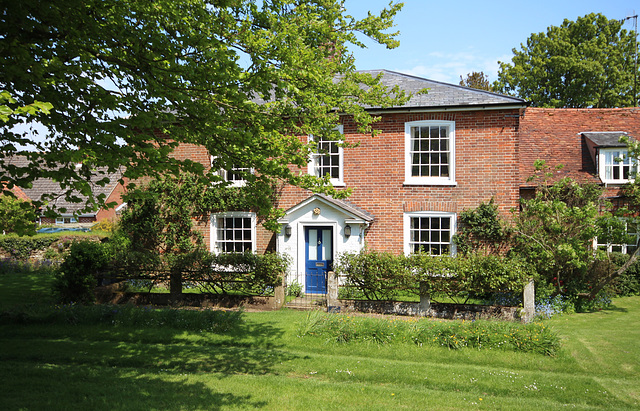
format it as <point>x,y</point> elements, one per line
<point>443,40</point>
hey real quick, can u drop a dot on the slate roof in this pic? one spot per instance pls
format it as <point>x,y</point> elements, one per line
<point>608,139</point>
<point>43,186</point>
<point>441,95</point>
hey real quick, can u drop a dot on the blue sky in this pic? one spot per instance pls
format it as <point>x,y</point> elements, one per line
<point>442,40</point>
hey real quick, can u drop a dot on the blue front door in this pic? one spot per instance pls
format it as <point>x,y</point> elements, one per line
<point>318,258</point>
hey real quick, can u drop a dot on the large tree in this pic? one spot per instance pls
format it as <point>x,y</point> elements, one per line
<point>242,78</point>
<point>586,63</point>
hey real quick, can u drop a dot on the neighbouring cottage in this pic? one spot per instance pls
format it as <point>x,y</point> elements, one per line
<point>587,143</point>
<point>113,192</point>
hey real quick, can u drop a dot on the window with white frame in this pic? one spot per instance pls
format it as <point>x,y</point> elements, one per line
<point>235,176</point>
<point>233,232</point>
<point>616,166</point>
<point>66,220</point>
<point>430,152</point>
<point>429,232</point>
<point>633,231</point>
<point>328,159</point>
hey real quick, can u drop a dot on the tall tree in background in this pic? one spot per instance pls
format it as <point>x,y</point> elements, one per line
<point>586,63</point>
<point>242,78</point>
<point>477,80</point>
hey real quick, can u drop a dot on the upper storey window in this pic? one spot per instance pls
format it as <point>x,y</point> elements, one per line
<point>235,176</point>
<point>430,152</point>
<point>328,159</point>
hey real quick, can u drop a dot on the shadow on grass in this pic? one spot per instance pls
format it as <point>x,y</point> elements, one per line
<point>104,366</point>
<point>95,388</point>
<point>246,349</point>
<point>615,308</point>
<point>18,288</point>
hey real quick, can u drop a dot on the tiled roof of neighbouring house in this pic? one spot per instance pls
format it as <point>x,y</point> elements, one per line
<point>43,186</point>
<point>558,136</point>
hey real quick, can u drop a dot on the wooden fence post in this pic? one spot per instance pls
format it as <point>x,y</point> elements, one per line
<point>528,298</point>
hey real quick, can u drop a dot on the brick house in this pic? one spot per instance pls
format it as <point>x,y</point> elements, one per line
<point>437,155</point>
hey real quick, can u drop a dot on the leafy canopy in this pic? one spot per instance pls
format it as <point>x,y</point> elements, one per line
<point>477,80</point>
<point>16,216</point>
<point>242,78</point>
<point>584,63</point>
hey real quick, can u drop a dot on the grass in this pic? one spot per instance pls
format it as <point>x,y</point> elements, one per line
<point>261,361</point>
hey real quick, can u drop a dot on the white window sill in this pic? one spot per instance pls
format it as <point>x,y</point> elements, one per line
<point>429,182</point>
<point>616,182</point>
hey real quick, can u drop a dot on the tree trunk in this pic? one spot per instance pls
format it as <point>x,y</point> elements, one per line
<point>615,274</point>
<point>175,286</point>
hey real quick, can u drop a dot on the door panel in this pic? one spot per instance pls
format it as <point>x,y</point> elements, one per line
<point>318,258</point>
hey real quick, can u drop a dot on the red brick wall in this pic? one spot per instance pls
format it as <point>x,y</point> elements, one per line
<point>199,154</point>
<point>114,196</point>
<point>486,166</point>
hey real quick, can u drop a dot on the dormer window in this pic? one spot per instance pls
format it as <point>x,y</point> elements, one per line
<point>615,166</point>
<point>611,156</point>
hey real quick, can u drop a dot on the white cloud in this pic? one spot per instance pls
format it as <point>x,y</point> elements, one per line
<point>448,67</point>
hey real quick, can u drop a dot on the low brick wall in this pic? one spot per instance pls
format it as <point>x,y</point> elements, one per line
<point>437,310</point>
<point>106,296</point>
<point>110,295</point>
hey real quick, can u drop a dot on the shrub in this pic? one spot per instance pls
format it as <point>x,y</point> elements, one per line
<point>21,247</point>
<point>246,273</point>
<point>628,283</point>
<point>381,276</point>
<point>77,277</point>
<point>377,275</point>
<point>105,225</point>
<point>295,289</point>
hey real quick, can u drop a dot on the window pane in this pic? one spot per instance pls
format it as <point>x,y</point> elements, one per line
<point>313,244</point>
<point>327,252</point>
<point>430,234</point>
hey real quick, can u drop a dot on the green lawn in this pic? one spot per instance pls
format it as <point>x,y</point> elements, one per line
<point>262,363</point>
